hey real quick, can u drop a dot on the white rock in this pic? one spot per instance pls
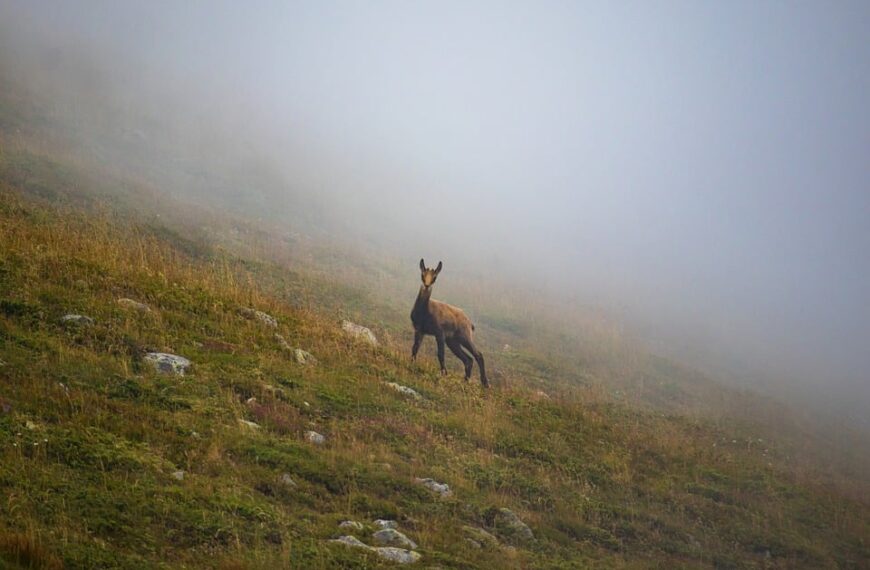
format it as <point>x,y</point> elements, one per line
<point>359,332</point>
<point>178,475</point>
<point>355,525</point>
<point>287,480</point>
<point>442,489</point>
<point>168,363</point>
<point>382,523</point>
<point>315,437</point>
<point>405,390</point>
<point>74,319</point>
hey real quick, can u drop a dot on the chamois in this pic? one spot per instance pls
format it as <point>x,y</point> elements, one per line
<point>448,324</point>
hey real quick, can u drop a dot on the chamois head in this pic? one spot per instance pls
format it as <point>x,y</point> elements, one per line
<point>429,275</point>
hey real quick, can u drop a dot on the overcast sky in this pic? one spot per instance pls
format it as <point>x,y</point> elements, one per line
<point>705,165</point>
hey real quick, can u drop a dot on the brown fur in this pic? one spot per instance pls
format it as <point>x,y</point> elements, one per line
<point>449,325</point>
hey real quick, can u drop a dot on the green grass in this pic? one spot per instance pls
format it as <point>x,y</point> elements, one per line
<point>625,460</point>
<point>93,436</point>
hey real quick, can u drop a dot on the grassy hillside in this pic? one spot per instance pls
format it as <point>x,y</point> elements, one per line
<point>92,434</point>
<point>613,457</point>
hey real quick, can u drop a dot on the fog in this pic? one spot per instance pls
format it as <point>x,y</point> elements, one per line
<point>698,169</point>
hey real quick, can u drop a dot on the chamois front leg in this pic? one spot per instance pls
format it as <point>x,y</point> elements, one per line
<point>440,339</point>
<point>418,339</point>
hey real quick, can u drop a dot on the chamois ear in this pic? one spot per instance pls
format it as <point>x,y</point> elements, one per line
<point>438,269</point>
<point>422,265</point>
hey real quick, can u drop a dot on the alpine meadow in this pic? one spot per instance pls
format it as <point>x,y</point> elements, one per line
<point>220,347</point>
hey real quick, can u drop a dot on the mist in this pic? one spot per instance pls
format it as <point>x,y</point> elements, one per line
<point>699,171</point>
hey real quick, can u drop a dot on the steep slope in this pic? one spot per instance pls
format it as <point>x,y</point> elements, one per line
<point>94,438</point>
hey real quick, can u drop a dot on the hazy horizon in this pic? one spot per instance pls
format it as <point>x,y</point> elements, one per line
<point>700,169</point>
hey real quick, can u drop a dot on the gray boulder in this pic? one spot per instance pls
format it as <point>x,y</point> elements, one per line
<point>381,523</point>
<point>392,537</point>
<point>359,332</point>
<point>168,363</point>
<point>355,525</point>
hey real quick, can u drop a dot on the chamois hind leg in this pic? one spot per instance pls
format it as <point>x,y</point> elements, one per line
<point>467,361</point>
<point>478,357</point>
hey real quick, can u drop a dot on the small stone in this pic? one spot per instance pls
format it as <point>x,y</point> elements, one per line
<point>351,541</point>
<point>79,320</point>
<point>304,357</point>
<point>404,390</point>
<point>30,425</point>
<point>507,348</point>
<point>442,489</point>
<point>397,555</point>
<point>249,424</point>
<point>179,475</point>
<point>315,438</point>
<point>473,543</point>
<point>168,363</point>
<point>381,523</point>
<point>359,332</point>
<point>355,525</point>
<point>287,480</point>
<point>392,537</point>
<point>264,318</point>
<point>135,305</point>
<point>510,526</point>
